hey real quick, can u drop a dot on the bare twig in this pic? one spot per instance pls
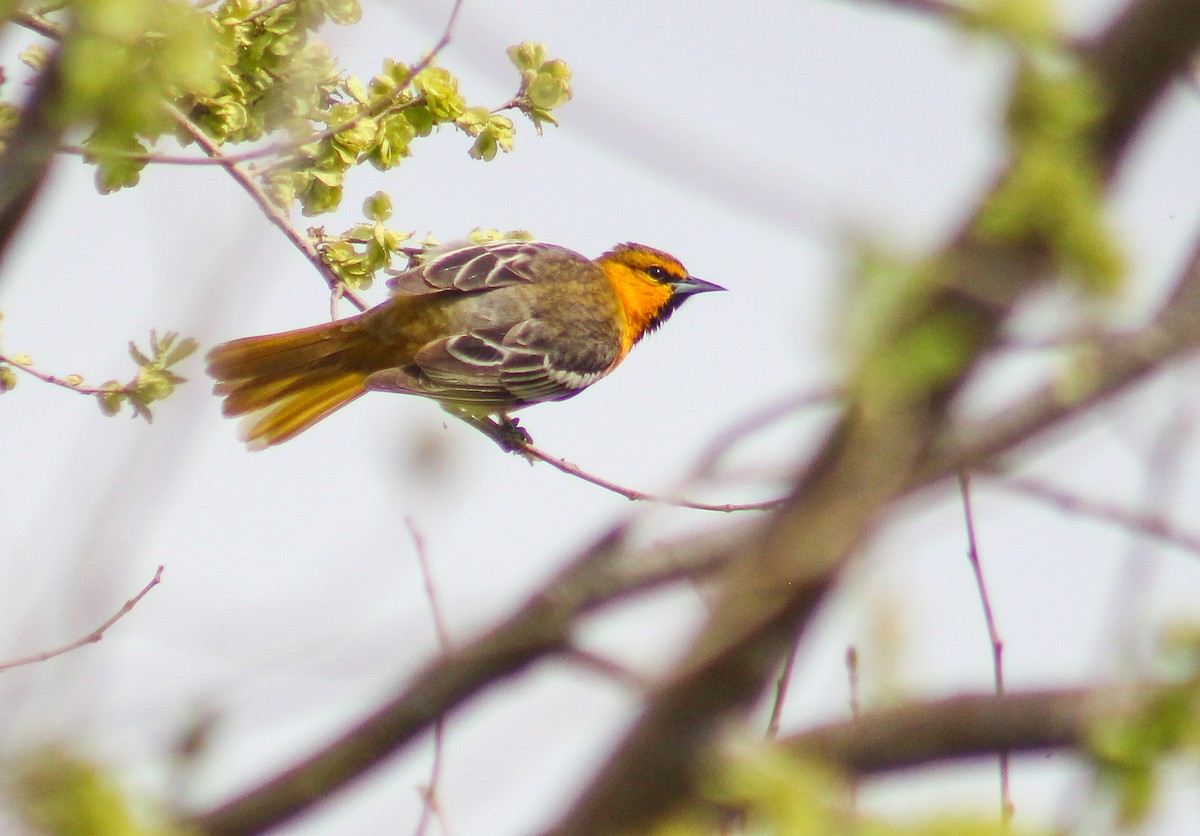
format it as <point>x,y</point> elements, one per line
<point>29,150</point>
<point>439,623</point>
<point>92,637</point>
<point>941,8</point>
<point>65,383</point>
<point>871,458</point>
<point>609,669</point>
<point>264,9</point>
<point>771,414</point>
<point>156,157</point>
<point>855,710</point>
<point>1164,468</point>
<point>704,464</point>
<point>784,566</point>
<point>39,24</point>
<point>273,213</point>
<point>781,689</point>
<point>997,644</point>
<point>375,108</point>
<point>1149,525</point>
<point>541,627</point>
<point>430,805</point>
<point>641,496</point>
<point>852,677</point>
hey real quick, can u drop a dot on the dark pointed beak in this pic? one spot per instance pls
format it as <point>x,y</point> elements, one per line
<point>692,285</point>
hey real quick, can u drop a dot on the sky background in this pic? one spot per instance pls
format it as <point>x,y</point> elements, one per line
<point>761,146</point>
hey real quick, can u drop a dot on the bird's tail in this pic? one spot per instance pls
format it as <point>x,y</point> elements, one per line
<point>285,383</point>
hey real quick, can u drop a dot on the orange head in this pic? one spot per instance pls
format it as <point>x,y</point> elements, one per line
<point>650,285</point>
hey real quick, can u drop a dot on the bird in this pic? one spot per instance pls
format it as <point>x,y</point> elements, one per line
<point>482,328</point>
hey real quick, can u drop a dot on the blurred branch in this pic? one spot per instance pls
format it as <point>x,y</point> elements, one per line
<point>1148,525</point>
<point>543,626</point>
<point>92,637</point>
<point>965,726</point>
<point>430,805</point>
<point>30,148</point>
<point>36,23</point>
<point>1144,49</point>
<point>1117,364</point>
<point>781,575</point>
<point>277,216</point>
<point>938,8</point>
<point>777,572</point>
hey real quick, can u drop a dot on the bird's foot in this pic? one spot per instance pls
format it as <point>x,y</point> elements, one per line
<point>512,437</point>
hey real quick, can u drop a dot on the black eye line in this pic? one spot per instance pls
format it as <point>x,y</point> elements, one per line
<point>659,273</point>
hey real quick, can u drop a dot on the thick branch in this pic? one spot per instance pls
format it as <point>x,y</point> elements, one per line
<point>1137,57</point>
<point>966,726</point>
<point>782,568</point>
<point>542,626</point>
<point>31,147</point>
<point>775,584</point>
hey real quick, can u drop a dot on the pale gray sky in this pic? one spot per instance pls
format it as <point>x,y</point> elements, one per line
<point>757,145</point>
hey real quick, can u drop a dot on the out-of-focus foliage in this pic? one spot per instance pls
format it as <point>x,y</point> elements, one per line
<point>252,80</point>
<point>60,794</point>
<point>154,380</point>
<point>902,341</point>
<point>1131,749</point>
<point>764,789</point>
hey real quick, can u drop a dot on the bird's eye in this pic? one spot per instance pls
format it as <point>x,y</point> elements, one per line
<point>658,274</point>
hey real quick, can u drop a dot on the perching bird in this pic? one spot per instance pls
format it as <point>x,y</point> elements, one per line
<point>483,329</point>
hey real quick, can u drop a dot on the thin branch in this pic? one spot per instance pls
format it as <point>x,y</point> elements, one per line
<point>1163,470</point>
<point>769,415</point>
<point>704,465</point>
<point>30,149</point>
<point>641,496</point>
<point>264,9</point>
<point>435,609</point>
<point>65,383</point>
<point>1149,525</point>
<point>942,9</point>
<point>92,637</point>
<point>871,458</point>
<point>383,105</point>
<point>855,710</point>
<point>39,24</point>
<point>781,689</point>
<point>278,217</point>
<point>609,669</point>
<point>997,644</point>
<point>430,806</point>
<point>542,626</point>
<point>782,570</point>
<point>169,159</point>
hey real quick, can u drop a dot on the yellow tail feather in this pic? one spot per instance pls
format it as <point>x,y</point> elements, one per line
<point>285,383</point>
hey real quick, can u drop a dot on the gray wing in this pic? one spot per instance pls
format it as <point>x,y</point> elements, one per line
<point>500,369</point>
<point>475,267</point>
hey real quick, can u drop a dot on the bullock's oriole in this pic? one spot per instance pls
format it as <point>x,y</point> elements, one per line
<point>483,329</point>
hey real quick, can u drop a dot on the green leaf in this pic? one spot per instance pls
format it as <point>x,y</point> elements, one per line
<point>112,400</point>
<point>343,12</point>
<point>180,351</point>
<point>378,207</point>
<point>549,90</point>
<point>527,55</point>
